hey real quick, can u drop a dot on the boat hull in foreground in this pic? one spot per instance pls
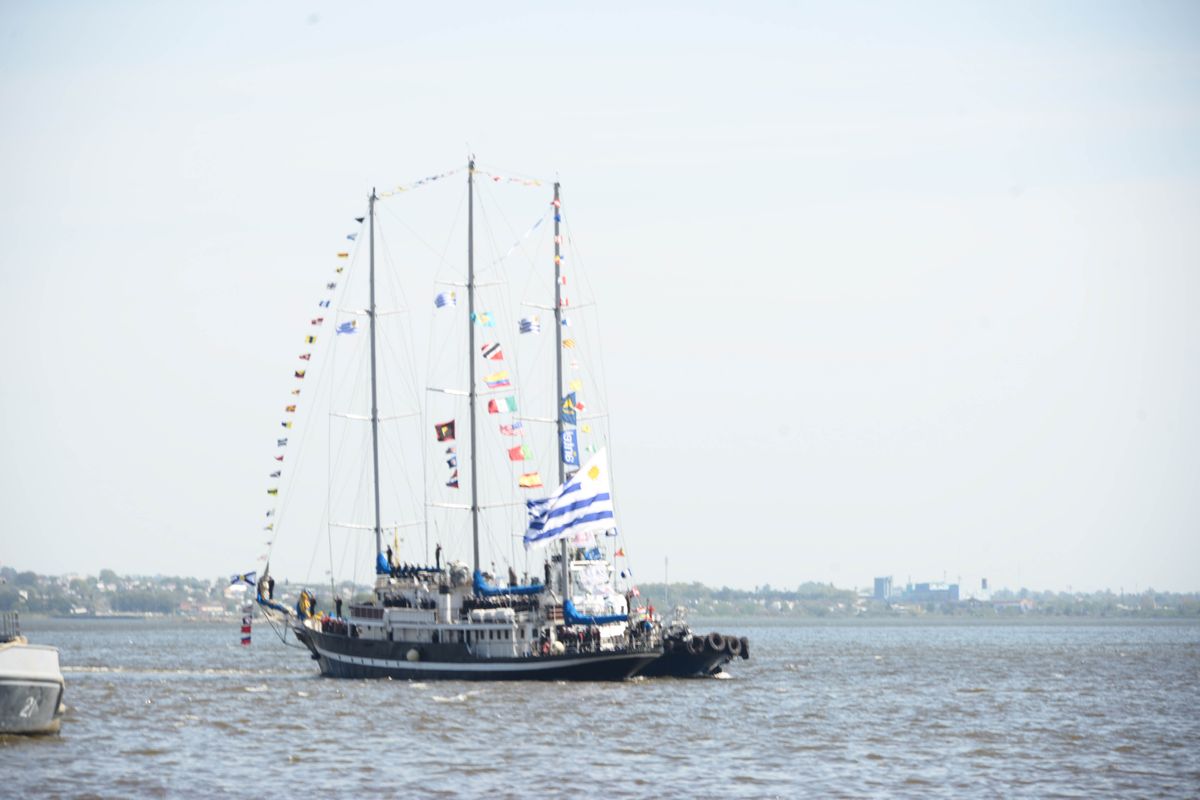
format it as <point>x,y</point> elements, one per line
<point>31,688</point>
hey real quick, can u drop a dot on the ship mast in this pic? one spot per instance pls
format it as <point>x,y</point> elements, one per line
<point>558,382</point>
<point>471,351</point>
<point>374,395</point>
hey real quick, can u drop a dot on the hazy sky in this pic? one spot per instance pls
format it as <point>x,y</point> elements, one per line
<point>905,289</point>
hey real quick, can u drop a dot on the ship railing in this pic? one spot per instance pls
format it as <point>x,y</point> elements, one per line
<point>10,626</point>
<point>366,612</point>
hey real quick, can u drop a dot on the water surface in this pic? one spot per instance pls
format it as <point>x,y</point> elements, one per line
<point>172,709</point>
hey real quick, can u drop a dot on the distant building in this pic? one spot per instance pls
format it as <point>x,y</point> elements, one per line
<point>883,589</point>
<point>932,593</point>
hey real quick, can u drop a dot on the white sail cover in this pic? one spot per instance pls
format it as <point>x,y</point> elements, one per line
<point>581,505</point>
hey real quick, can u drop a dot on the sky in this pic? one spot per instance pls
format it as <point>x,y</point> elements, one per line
<point>883,289</point>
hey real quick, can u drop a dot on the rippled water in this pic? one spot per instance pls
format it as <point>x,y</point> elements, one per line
<point>180,710</point>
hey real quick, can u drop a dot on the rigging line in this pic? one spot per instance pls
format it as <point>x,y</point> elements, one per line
<point>281,504</point>
<point>334,461</point>
<point>361,417</point>
<point>282,635</point>
<point>354,526</point>
<point>529,231</point>
<point>484,506</point>
<point>440,256</point>
<point>603,387</point>
<point>498,474</point>
<point>497,263</point>
<point>359,494</point>
<point>396,463</point>
<point>509,174</point>
<point>478,284</point>
<point>329,537</point>
<point>396,289</point>
<point>328,459</point>
<point>411,396</point>
<point>445,344</point>
<point>408,187</point>
<point>532,259</point>
<point>341,568</point>
<point>403,359</point>
<point>362,312</point>
<point>583,276</point>
<point>335,467</point>
<point>484,200</point>
<point>506,298</point>
<point>450,241</point>
<point>322,374</point>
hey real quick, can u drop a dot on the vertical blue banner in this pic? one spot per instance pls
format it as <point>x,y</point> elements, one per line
<point>570,447</point>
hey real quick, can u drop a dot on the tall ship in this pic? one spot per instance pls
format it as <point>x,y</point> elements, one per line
<point>453,618</point>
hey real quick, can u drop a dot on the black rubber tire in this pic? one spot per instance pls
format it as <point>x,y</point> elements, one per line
<point>695,645</point>
<point>716,642</point>
<point>733,646</point>
<point>745,647</point>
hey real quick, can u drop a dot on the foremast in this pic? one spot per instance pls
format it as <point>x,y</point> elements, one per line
<point>558,374</point>
<point>374,391</point>
<point>471,391</point>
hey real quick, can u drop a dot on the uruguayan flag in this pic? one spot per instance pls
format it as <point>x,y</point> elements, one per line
<point>444,299</point>
<point>581,505</point>
<point>529,325</point>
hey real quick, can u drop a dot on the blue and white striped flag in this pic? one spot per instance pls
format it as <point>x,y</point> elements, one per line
<point>581,505</point>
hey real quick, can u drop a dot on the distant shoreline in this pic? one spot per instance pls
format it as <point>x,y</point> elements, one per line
<point>35,622</point>
<point>109,596</point>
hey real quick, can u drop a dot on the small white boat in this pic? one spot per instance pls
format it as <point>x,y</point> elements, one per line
<point>31,683</point>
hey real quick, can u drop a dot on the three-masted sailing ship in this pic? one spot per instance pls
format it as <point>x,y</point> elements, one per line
<point>448,620</point>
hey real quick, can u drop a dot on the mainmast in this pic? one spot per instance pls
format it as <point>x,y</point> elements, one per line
<point>471,350</point>
<point>558,382</point>
<point>374,395</point>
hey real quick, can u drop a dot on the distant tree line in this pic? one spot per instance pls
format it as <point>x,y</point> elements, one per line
<point>109,592</point>
<point>826,600</point>
<point>807,599</point>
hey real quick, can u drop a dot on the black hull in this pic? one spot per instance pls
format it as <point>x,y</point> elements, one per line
<point>691,655</point>
<point>342,656</point>
<point>685,665</point>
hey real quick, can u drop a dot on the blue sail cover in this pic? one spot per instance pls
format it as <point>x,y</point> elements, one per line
<point>573,617</point>
<point>483,590</point>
